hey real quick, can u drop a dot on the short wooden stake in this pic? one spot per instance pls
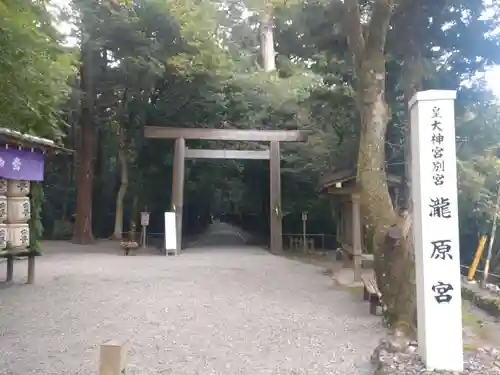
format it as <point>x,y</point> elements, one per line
<point>10,268</point>
<point>31,269</point>
<point>113,358</point>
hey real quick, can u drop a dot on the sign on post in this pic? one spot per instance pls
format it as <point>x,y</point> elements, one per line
<point>144,219</point>
<point>144,224</point>
<point>170,233</point>
<point>304,231</point>
<point>435,229</point>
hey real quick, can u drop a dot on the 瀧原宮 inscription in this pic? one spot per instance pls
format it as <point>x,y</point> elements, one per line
<point>435,229</point>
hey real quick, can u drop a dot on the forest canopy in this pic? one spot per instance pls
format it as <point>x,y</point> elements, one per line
<point>324,66</point>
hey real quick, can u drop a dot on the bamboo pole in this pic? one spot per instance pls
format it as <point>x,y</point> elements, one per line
<point>477,257</point>
<point>492,239</point>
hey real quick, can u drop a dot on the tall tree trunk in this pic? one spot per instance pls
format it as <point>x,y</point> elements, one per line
<point>267,39</point>
<point>393,258</point>
<point>99,208</point>
<point>133,218</point>
<point>119,128</point>
<point>122,191</point>
<point>394,264</point>
<point>83,225</point>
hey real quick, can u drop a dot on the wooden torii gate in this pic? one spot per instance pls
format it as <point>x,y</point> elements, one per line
<point>181,153</point>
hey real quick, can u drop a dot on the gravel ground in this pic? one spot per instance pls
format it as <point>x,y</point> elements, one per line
<point>208,311</point>
<point>398,356</point>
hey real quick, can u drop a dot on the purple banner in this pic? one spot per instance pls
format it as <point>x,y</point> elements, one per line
<point>21,165</point>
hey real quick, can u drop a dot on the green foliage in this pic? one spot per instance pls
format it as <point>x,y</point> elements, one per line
<point>34,70</point>
<point>194,64</point>
<point>35,222</point>
<point>197,23</point>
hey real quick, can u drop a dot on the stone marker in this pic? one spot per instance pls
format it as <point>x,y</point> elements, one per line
<point>435,229</point>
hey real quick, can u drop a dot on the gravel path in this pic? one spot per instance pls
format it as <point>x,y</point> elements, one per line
<point>208,311</point>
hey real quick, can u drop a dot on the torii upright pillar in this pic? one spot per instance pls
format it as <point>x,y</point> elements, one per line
<point>178,188</point>
<point>275,198</point>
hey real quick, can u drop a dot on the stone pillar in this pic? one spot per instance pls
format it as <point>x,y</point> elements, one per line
<point>436,230</point>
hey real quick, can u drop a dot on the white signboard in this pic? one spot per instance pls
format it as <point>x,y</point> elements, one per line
<point>144,219</point>
<point>170,231</point>
<point>435,229</point>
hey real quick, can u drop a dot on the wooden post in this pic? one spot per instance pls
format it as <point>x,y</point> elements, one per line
<point>31,269</point>
<point>113,358</point>
<point>310,244</point>
<point>304,231</point>
<point>10,268</point>
<point>275,199</point>
<point>178,188</point>
<point>356,237</point>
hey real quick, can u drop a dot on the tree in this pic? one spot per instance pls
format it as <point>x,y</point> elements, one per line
<point>368,52</point>
<point>189,64</point>
<point>34,70</point>
<point>433,30</point>
<point>90,56</point>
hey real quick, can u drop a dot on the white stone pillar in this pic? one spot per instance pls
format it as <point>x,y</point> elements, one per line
<point>435,229</point>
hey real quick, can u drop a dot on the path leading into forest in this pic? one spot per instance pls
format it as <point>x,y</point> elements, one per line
<point>220,234</point>
<point>224,311</point>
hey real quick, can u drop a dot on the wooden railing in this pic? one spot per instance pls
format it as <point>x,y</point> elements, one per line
<point>314,242</point>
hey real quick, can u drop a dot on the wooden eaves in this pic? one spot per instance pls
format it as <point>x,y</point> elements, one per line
<point>15,138</point>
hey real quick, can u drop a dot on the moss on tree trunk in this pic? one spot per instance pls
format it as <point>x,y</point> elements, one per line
<point>35,223</point>
<point>394,266</point>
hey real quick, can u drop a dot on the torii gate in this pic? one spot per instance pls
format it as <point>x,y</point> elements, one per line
<point>181,153</point>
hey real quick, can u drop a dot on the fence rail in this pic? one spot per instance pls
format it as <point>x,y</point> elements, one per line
<point>315,241</point>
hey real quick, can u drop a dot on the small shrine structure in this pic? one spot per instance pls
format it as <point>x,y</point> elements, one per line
<point>22,159</point>
<point>341,188</point>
